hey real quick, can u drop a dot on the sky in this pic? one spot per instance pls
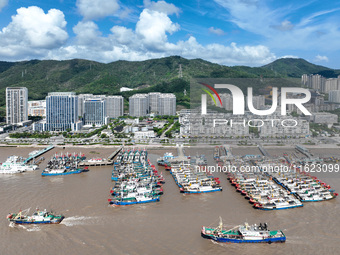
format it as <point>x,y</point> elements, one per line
<point>228,32</point>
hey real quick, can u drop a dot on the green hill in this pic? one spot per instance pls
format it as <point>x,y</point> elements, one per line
<point>296,67</point>
<point>84,76</point>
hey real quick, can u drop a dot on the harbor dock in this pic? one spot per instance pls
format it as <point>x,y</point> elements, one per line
<point>102,162</point>
<point>39,153</point>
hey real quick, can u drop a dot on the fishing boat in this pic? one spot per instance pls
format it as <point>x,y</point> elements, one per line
<point>10,168</point>
<point>38,217</point>
<point>165,160</point>
<point>64,165</point>
<point>243,234</point>
<point>139,199</point>
<point>62,171</point>
<point>15,164</point>
<point>136,180</point>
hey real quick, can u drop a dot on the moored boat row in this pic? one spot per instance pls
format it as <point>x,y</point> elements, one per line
<point>64,164</point>
<point>136,180</point>
<point>190,180</point>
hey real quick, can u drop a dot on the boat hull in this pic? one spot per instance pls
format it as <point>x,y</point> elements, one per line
<point>66,173</point>
<point>133,202</point>
<point>21,222</point>
<point>275,208</point>
<point>232,240</point>
<point>197,192</point>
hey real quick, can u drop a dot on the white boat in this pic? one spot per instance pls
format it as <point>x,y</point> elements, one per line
<point>55,171</point>
<point>10,168</point>
<point>13,165</point>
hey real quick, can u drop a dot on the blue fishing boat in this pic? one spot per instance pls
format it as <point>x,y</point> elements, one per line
<point>243,234</point>
<point>134,200</point>
<point>56,172</point>
<point>38,217</point>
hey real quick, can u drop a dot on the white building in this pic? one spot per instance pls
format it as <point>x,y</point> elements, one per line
<point>123,89</point>
<point>276,128</point>
<point>324,118</point>
<point>61,112</point>
<point>167,104</point>
<point>114,106</point>
<point>331,84</point>
<point>334,96</point>
<point>95,111</point>
<point>81,99</point>
<point>144,134</point>
<point>153,101</point>
<point>37,108</point>
<point>139,105</point>
<point>258,102</point>
<point>16,105</point>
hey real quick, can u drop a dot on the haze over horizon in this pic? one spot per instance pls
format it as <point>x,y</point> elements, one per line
<point>228,32</point>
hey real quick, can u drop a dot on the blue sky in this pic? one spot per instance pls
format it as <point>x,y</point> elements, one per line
<point>229,32</point>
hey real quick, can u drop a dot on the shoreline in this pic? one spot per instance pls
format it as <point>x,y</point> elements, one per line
<point>319,146</point>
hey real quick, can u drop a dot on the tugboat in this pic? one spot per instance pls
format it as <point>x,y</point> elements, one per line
<point>243,234</point>
<point>38,217</point>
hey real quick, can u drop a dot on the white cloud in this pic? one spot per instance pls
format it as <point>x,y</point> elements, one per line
<point>33,31</point>
<point>229,55</point>
<point>162,6</point>
<point>216,31</point>
<point>3,3</point>
<point>285,25</point>
<point>313,31</point>
<point>152,27</point>
<point>87,32</point>
<point>123,35</point>
<point>95,9</point>
<point>319,58</point>
<point>289,56</point>
<point>34,34</point>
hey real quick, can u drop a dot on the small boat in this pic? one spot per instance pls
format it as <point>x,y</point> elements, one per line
<point>243,234</point>
<point>62,171</point>
<point>139,199</point>
<point>38,217</point>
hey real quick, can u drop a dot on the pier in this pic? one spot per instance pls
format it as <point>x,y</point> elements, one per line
<point>303,150</point>
<point>264,151</point>
<point>41,152</point>
<point>226,152</point>
<point>107,162</point>
<point>99,163</point>
<point>115,153</point>
<point>180,153</point>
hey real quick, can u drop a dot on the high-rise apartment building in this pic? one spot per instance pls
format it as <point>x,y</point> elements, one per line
<point>114,106</point>
<point>167,104</point>
<point>314,81</point>
<point>81,99</point>
<point>334,96</point>
<point>95,111</point>
<point>16,105</point>
<point>139,105</point>
<point>62,111</point>
<point>153,101</point>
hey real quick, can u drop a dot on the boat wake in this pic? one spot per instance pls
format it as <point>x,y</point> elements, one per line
<point>31,228</point>
<point>78,220</point>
